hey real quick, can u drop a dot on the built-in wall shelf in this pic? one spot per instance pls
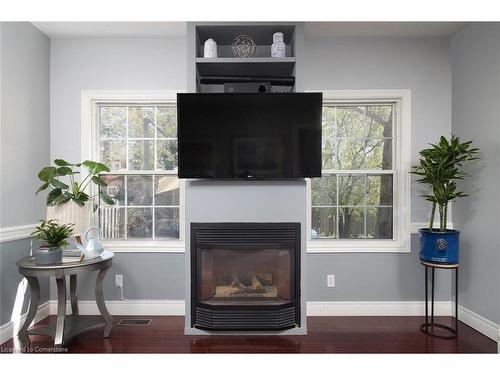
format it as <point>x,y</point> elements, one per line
<point>239,60</point>
<point>246,66</point>
<point>209,73</point>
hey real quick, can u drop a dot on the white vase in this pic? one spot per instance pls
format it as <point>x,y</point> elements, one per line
<point>210,49</point>
<point>71,213</point>
<point>278,48</point>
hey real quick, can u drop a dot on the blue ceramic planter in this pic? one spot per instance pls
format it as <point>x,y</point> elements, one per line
<point>439,247</point>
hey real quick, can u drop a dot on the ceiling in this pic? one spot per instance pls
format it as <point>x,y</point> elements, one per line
<point>313,29</point>
<point>384,29</point>
<point>112,29</point>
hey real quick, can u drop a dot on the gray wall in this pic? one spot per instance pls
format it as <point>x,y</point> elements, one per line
<point>24,148</point>
<point>371,277</point>
<point>419,64</point>
<point>146,276</point>
<point>106,64</point>
<point>476,117</point>
<point>112,64</point>
<point>422,65</point>
<point>25,122</point>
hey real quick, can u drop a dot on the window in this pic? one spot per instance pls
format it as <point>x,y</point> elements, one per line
<point>138,142</point>
<point>358,203</point>
<point>135,135</point>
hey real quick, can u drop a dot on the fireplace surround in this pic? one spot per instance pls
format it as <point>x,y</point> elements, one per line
<point>245,276</point>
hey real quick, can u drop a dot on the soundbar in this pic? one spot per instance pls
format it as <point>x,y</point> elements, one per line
<point>273,80</point>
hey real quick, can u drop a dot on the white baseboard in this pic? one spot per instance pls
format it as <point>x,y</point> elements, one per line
<point>7,330</point>
<point>375,308</point>
<point>128,307</point>
<point>322,308</point>
<point>479,323</point>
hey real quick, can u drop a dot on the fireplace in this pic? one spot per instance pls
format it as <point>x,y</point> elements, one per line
<point>245,276</point>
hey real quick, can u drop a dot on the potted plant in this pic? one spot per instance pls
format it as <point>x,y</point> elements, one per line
<point>67,202</point>
<point>440,167</point>
<point>52,238</point>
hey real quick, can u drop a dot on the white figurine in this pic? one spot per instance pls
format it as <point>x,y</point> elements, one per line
<point>278,49</point>
<point>210,49</point>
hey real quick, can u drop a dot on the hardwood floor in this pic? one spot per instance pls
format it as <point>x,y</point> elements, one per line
<point>165,334</point>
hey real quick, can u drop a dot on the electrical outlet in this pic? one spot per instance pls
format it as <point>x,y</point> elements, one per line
<point>330,281</point>
<point>119,281</point>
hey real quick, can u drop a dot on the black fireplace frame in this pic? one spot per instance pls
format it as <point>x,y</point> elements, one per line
<point>268,317</point>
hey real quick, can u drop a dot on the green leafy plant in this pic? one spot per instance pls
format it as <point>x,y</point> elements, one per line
<point>53,235</point>
<point>61,192</point>
<point>440,167</point>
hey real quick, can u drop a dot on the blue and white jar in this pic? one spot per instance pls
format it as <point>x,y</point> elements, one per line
<point>278,48</point>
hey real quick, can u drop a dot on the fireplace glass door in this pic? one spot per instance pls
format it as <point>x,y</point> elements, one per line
<point>245,276</point>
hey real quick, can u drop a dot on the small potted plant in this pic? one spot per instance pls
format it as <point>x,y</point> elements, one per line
<point>52,238</point>
<point>440,167</point>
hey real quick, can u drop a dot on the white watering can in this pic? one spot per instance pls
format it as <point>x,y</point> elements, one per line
<point>92,247</point>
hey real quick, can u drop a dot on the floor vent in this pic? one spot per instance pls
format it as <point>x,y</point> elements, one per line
<point>134,322</point>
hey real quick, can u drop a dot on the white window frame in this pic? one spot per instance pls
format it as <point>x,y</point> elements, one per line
<point>402,164</point>
<point>89,150</point>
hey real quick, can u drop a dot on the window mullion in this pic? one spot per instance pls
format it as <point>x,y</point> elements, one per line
<point>337,208</point>
<point>127,140</point>
<point>357,171</point>
<point>395,164</point>
<point>125,214</point>
<point>127,143</point>
<point>335,150</point>
<point>365,120</point>
<point>153,179</point>
<point>155,166</point>
<point>365,203</point>
<point>140,172</point>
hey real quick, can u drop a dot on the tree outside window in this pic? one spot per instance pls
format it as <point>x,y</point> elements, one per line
<point>354,197</point>
<point>139,144</point>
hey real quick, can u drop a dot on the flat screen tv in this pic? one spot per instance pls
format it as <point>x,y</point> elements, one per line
<point>250,136</point>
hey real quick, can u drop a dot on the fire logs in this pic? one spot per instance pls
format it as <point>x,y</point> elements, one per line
<point>251,284</point>
<point>248,285</point>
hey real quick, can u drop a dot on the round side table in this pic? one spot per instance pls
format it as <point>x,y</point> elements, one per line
<point>428,326</point>
<point>66,326</point>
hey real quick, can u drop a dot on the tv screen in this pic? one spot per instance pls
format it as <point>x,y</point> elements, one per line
<point>253,136</point>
